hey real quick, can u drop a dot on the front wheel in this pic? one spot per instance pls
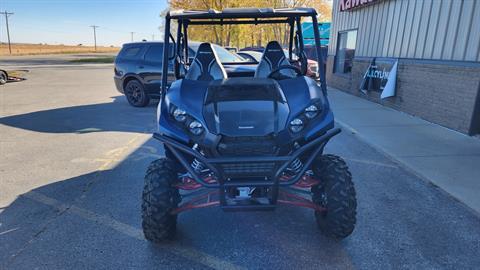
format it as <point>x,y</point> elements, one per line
<point>159,198</point>
<point>336,193</point>
<point>135,94</point>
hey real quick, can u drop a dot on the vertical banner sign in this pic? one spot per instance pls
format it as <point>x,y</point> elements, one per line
<point>381,76</point>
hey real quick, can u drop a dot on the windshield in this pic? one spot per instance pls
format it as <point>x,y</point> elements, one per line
<point>223,54</point>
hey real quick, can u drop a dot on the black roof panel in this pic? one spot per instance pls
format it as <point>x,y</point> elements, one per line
<point>237,13</point>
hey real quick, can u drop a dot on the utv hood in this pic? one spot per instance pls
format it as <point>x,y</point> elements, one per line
<point>245,107</point>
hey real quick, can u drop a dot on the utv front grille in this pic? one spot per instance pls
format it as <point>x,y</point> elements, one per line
<point>247,146</point>
<point>248,169</point>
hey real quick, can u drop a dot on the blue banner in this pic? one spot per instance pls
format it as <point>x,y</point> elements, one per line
<point>308,35</point>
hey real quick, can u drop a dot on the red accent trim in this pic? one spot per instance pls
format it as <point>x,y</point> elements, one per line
<point>189,183</point>
<point>192,204</point>
<point>299,201</point>
<point>307,181</point>
<point>289,199</point>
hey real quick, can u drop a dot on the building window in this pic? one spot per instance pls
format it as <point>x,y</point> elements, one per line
<point>347,42</point>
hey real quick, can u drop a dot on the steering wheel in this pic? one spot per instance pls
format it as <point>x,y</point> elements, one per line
<point>282,67</point>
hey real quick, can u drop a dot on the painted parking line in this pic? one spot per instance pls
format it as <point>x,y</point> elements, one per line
<point>128,230</point>
<point>88,130</point>
<point>8,231</point>
<point>370,162</point>
<point>115,155</point>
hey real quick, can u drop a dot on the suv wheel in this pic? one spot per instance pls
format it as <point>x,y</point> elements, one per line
<point>136,95</point>
<point>336,193</point>
<point>3,78</point>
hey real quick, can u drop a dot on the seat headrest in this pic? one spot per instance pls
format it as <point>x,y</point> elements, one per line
<point>274,54</point>
<point>206,66</point>
<point>205,53</point>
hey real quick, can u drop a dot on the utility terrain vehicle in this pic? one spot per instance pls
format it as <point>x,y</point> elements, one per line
<point>244,140</point>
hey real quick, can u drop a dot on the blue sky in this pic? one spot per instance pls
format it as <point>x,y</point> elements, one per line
<point>68,21</point>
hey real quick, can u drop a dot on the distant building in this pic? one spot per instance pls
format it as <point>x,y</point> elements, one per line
<point>435,43</point>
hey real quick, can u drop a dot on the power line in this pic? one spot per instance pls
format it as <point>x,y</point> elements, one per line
<point>7,14</point>
<point>94,27</point>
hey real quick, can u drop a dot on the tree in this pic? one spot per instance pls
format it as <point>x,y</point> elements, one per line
<point>246,35</point>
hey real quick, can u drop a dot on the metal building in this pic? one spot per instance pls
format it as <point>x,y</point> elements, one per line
<point>436,44</point>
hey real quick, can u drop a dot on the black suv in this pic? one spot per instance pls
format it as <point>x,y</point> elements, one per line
<point>138,69</point>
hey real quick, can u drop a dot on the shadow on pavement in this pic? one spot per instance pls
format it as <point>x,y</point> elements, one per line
<point>97,216</point>
<point>84,118</point>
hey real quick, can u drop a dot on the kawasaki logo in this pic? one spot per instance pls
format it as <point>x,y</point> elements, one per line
<point>351,4</point>
<point>246,127</point>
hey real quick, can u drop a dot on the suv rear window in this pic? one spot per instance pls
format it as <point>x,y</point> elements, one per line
<point>130,52</point>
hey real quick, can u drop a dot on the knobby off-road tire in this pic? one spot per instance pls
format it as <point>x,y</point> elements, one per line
<point>158,200</point>
<point>337,194</point>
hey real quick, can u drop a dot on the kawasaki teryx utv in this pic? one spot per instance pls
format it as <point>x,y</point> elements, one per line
<point>245,138</point>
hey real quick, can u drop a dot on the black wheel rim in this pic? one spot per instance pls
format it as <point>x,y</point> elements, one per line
<point>3,78</point>
<point>135,94</point>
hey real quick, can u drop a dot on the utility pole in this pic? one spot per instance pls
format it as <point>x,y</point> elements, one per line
<point>8,30</point>
<point>153,37</point>
<point>131,34</point>
<point>95,35</point>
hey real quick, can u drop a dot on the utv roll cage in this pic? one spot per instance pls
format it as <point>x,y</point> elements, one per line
<point>255,16</point>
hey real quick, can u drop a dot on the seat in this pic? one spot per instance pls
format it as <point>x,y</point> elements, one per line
<point>273,57</point>
<point>206,66</point>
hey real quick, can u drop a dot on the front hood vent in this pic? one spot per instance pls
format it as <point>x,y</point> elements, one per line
<point>245,107</point>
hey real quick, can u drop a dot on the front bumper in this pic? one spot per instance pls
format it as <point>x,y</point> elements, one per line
<point>218,164</point>
<point>272,181</point>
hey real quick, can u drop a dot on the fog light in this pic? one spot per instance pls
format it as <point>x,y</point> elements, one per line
<point>296,125</point>
<point>180,115</point>
<point>311,111</point>
<point>196,127</point>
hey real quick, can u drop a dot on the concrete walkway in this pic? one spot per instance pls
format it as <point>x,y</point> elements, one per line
<point>442,156</point>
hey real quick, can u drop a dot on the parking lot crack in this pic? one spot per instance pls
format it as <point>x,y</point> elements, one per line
<point>61,210</point>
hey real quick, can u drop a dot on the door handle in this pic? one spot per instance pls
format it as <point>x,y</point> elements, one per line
<point>140,66</point>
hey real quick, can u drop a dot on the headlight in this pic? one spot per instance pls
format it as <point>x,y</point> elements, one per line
<point>311,111</point>
<point>296,125</point>
<point>195,127</point>
<point>180,115</point>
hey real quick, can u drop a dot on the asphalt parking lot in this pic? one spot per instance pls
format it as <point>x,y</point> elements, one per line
<point>73,156</point>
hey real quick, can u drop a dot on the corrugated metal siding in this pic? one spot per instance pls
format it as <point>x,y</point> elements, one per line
<point>423,29</point>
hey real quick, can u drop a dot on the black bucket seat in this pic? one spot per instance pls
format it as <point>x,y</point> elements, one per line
<point>273,57</point>
<point>206,66</point>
